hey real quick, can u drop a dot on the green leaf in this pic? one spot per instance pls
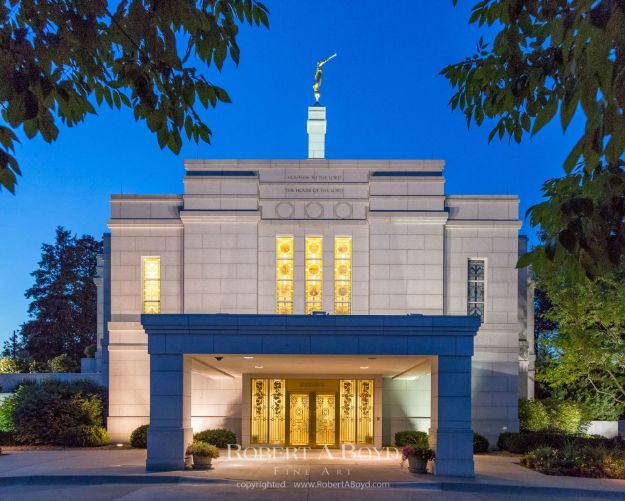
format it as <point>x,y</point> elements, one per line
<point>545,115</point>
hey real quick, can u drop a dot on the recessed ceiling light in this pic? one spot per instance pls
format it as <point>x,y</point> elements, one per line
<point>248,358</point>
<point>365,367</point>
<point>258,367</point>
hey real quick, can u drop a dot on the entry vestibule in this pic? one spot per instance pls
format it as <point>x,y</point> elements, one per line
<point>447,341</point>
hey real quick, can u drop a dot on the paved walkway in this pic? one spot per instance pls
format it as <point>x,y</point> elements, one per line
<point>120,474</point>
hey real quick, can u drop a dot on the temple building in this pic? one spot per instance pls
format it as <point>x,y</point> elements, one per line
<point>313,303</point>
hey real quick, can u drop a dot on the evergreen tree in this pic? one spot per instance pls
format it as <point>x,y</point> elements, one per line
<point>63,299</point>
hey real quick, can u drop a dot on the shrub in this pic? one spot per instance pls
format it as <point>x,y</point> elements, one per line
<point>480,443</point>
<point>200,448</point>
<point>539,458</point>
<point>139,437</point>
<point>7,405</point>
<point>554,415</point>
<point>44,410</point>
<point>614,465</point>
<point>219,437</point>
<point>90,350</point>
<point>84,436</point>
<point>411,437</point>
<point>63,363</point>
<point>8,365</point>
<point>533,415</point>
<point>577,460</point>
<point>565,416</point>
<point>7,438</point>
<point>425,453</point>
<point>34,366</point>
<point>524,442</point>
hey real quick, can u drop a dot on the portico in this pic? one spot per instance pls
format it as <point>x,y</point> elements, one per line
<point>326,348</point>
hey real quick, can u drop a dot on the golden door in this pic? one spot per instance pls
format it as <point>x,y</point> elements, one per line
<point>325,419</point>
<point>299,419</point>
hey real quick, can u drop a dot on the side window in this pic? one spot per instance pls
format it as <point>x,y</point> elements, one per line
<point>342,275</point>
<point>476,288</point>
<point>284,275</point>
<point>151,271</point>
<point>314,274</point>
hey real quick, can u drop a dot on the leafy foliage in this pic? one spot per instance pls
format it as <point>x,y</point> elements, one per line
<point>43,412</point>
<point>7,406</point>
<point>9,365</point>
<point>584,360</point>
<point>522,443</point>
<point>84,435</point>
<point>139,437</point>
<point>63,363</point>
<point>200,448</point>
<point>577,460</point>
<point>411,437</point>
<point>552,57</point>
<point>63,300</point>
<point>480,443</point>
<point>219,437</point>
<point>533,415</point>
<point>90,350</point>
<point>551,415</point>
<point>62,58</point>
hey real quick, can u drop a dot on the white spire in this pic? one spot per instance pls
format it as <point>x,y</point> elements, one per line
<point>316,127</point>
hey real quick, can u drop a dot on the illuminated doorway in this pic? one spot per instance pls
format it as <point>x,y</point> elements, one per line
<point>312,412</point>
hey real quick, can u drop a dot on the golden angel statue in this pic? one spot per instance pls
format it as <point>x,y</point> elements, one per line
<point>318,73</point>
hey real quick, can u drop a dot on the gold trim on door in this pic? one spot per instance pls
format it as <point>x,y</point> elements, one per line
<point>299,422</point>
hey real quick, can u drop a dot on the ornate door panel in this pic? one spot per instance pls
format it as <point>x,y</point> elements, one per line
<point>299,419</point>
<point>325,419</point>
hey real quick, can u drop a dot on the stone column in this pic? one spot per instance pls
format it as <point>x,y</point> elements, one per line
<point>170,412</point>
<point>451,435</point>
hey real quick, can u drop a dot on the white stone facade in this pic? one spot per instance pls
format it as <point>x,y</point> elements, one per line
<point>411,246</point>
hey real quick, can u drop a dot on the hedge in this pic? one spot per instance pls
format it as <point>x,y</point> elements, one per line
<point>480,443</point>
<point>219,437</point>
<point>578,461</point>
<point>84,435</point>
<point>524,442</point>
<point>49,412</point>
<point>550,415</point>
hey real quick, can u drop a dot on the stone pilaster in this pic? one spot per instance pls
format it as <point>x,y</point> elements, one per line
<point>170,412</point>
<point>451,435</point>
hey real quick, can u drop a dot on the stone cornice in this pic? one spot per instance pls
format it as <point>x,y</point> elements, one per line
<point>482,223</point>
<point>219,216</point>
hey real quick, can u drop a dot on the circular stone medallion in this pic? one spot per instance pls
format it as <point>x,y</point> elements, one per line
<point>314,210</point>
<point>343,210</point>
<point>285,210</point>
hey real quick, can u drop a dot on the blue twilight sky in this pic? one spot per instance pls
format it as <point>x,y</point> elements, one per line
<point>384,98</point>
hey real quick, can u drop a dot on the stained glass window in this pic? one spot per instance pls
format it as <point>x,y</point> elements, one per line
<point>314,274</point>
<point>342,275</point>
<point>476,288</point>
<point>151,285</point>
<point>284,275</point>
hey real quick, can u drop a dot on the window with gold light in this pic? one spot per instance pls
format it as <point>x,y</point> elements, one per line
<point>151,285</point>
<point>314,274</point>
<point>284,275</point>
<point>342,275</point>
